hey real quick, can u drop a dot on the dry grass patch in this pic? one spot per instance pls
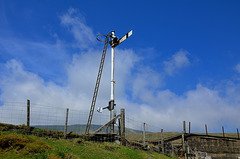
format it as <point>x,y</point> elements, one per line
<point>23,144</point>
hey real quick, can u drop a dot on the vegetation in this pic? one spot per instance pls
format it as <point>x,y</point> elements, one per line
<point>15,144</point>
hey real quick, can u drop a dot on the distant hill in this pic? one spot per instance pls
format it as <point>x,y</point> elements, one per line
<point>80,128</point>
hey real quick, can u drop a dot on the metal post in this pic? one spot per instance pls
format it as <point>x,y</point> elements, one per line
<point>162,141</point>
<point>114,42</point>
<point>112,73</point>
<point>144,132</point>
<point>112,83</point>
<point>206,129</point>
<point>28,113</point>
<point>123,127</point>
<point>66,121</point>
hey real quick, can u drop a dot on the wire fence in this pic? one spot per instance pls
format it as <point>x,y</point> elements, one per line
<point>59,122</point>
<point>48,117</point>
<point>54,118</point>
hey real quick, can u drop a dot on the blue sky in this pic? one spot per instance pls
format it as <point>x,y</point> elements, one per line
<point>182,62</point>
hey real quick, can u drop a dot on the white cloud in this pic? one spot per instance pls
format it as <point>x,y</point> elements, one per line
<point>178,60</point>
<point>237,67</point>
<point>82,33</point>
<point>45,59</point>
<point>17,84</point>
<point>144,84</point>
<point>199,106</point>
<point>20,84</point>
<point>82,73</point>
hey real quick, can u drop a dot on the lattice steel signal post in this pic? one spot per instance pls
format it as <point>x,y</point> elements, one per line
<point>113,43</point>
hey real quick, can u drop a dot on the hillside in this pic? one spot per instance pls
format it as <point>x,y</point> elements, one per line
<point>13,144</point>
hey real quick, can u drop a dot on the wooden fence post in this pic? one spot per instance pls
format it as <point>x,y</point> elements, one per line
<point>189,128</point>
<point>237,133</point>
<point>173,153</point>
<point>223,131</point>
<point>206,129</point>
<point>162,141</point>
<point>183,142</point>
<point>183,137</point>
<point>184,127</point>
<point>144,134</point>
<point>123,141</point>
<point>28,113</point>
<point>66,121</point>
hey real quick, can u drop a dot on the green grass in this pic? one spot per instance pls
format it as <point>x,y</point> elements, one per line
<point>15,145</point>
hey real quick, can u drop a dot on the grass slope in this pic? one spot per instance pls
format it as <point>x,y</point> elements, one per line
<point>14,145</point>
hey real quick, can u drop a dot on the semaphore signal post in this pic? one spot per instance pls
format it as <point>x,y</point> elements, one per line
<point>114,41</point>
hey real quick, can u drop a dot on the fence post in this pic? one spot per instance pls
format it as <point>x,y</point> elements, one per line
<point>66,121</point>
<point>162,141</point>
<point>184,127</point>
<point>183,137</point>
<point>144,133</point>
<point>173,153</point>
<point>206,129</point>
<point>183,142</point>
<point>237,133</point>
<point>28,113</point>
<point>189,127</point>
<point>123,141</point>
<point>223,131</point>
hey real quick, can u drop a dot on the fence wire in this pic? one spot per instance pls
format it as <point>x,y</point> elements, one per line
<point>59,122</point>
<point>142,134</point>
<point>49,117</point>
<point>54,118</point>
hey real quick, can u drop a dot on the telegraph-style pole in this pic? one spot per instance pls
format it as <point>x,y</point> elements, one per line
<point>111,103</point>
<point>113,43</point>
